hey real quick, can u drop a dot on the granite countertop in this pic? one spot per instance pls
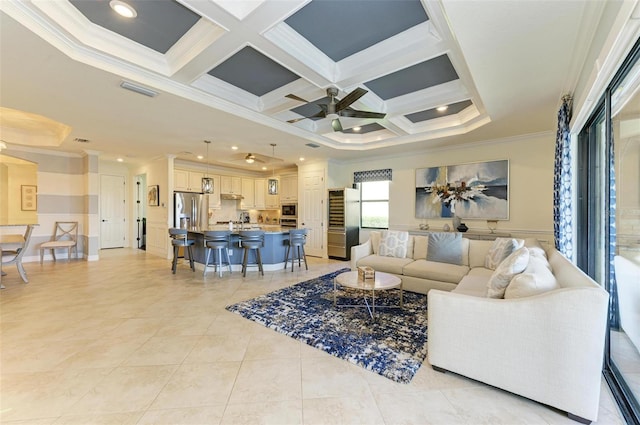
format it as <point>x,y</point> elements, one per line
<point>268,228</point>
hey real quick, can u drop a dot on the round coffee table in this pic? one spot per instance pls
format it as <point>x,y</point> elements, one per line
<point>382,282</point>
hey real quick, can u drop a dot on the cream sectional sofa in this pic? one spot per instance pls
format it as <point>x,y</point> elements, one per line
<point>546,347</point>
<point>419,274</point>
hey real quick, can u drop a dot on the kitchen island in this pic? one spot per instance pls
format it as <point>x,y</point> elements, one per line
<point>272,252</point>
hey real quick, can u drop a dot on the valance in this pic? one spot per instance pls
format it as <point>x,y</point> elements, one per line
<point>372,176</point>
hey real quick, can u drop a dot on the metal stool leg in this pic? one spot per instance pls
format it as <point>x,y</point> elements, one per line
<point>219,261</point>
<point>206,261</point>
<point>259,259</point>
<point>193,267</point>
<point>174,264</point>
<point>286,257</point>
<point>245,258</point>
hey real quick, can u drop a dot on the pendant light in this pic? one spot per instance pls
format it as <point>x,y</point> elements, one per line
<point>207,182</point>
<point>273,182</point>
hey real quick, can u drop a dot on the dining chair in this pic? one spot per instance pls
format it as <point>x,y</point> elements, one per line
<point>15,255</point>
<point>65,236</point>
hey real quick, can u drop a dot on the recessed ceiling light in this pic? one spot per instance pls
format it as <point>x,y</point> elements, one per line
<point>200,157</point>
<point>120,160</point>
<point>442,108</point>
<point>357,128</point>
<point>301,158</point>
<point>123,9</point>
<point>235,148</point>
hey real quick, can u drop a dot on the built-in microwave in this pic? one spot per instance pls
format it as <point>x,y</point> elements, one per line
<point>289,210</point>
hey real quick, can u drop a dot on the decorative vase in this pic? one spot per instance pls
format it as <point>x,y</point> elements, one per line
<point>462,228</point>
<point>457,221</point>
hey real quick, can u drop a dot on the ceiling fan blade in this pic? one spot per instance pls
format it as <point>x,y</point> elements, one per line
<point>294,97</point>
<point>353,113</point>
<point>337,126</point>
<point>320,114</point>
<point>350,98</point>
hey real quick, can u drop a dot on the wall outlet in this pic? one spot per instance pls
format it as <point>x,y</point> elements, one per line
<point>231,252</point>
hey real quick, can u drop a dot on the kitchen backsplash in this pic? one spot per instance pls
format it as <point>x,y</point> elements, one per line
<point>230,210</point>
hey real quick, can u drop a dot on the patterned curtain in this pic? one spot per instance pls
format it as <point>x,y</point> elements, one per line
<point>562,179</point>
<point>372,176</point>
<point>614,313</point>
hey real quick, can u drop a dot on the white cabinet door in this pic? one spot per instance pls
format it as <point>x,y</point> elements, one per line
<point>180,180</point>
<point>260,194</point>
<point>214,198</point>
<point>195,181</point>
<point>187,181</point>
<point>289,188</point>
<point>231,185</point>
<point>248,193</point>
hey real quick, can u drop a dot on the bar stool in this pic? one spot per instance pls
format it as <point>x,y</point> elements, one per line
<point>251,240</point>
<point>179,238</point>
<point>217,240</point>
<point>297,239</point>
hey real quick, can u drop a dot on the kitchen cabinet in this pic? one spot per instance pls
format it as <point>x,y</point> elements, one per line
<point>187,181</point>
<point>248,194</point>
<point>260,193</point>
<point>231,185</point>
<point>288,188</point>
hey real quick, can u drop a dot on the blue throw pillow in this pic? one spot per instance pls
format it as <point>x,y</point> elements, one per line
<point>445,248</point>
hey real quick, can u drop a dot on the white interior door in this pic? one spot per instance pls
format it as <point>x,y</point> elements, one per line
<point>312,211</point>
<point>112,211</point>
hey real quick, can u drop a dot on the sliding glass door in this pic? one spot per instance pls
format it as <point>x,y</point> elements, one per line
<point>608,218</point>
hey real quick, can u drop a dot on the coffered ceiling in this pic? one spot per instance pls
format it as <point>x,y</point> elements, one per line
<point>236,61</point>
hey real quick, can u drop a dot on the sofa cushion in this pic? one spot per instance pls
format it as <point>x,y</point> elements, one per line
<point>474,285</point>
<point>394,244</point>
<point>478,250</point>
<point>443,272</point>
<point>535,248</point>
<point>385,264</point>
<point>514,264</point>
<point>445,247</point>
<point>536,279</point>
<point>420,244</point>
<point>500,249</point>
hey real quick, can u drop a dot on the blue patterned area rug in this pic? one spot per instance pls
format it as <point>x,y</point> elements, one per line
<point>393,345</point>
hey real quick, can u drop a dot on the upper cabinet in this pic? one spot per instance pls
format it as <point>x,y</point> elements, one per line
<point>248,193</point>
<point>187,181</point>
<point>231,185</point>
<point>260,194</point>
<point>214,198</point>
<point>289,188</point>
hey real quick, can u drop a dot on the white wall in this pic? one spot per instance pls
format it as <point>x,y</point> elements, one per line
<point>531,159</point>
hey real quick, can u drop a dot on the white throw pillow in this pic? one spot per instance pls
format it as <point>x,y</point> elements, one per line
<point>536,279</point>
<point>500,249</point>
<point>394,244</point>
<point>514,264</point>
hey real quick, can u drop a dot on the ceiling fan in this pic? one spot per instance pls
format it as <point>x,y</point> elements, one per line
<point>250,158</point>
<point>338,108</point>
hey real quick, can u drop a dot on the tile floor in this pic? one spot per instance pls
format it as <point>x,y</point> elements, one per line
<point>123,341</point>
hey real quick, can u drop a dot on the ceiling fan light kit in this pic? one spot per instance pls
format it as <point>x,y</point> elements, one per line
<point>338,108</point>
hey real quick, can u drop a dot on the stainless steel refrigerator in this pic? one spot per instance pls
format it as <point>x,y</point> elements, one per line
<point>344,222</point>
<point>189,210</point>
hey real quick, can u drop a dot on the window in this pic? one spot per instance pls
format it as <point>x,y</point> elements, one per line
<point>374,204</point>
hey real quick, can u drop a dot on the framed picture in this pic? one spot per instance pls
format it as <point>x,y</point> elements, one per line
<point>478,190</point>
<point>29,198</point>
<point>153,196</point>
<point>272,187</point>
